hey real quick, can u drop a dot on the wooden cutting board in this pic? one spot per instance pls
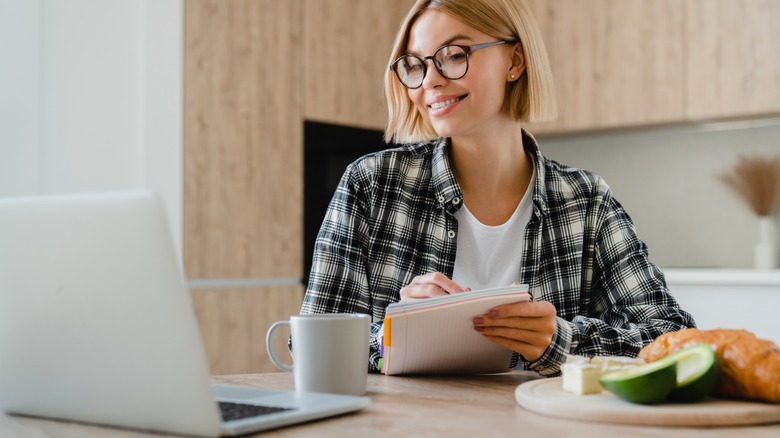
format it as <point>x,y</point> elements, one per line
<point>546,396</point>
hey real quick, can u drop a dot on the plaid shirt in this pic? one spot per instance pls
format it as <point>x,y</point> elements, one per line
<point>391,219</point>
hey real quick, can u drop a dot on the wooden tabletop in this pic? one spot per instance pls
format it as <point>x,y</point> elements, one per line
<point>474,406</point>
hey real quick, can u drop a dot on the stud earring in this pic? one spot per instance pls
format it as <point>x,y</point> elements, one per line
<point>511,76</point>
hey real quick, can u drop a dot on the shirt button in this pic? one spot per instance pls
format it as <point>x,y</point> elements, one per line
<point>451,234</point>
<point>441,199</point>
<point>455,201</point>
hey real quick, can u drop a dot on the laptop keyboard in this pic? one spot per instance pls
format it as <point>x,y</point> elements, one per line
<point>236,411</point>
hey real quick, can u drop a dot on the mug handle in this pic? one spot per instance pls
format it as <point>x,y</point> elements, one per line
<point>269,346</point>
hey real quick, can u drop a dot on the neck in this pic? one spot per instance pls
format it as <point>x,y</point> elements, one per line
<point>490,163</point>
<point>493,173</point>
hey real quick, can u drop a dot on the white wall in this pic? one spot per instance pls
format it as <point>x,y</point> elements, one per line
<point>91,98</point>
<point>666,180</point>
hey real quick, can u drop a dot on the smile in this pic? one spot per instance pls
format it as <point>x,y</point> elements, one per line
<point>442,104</point>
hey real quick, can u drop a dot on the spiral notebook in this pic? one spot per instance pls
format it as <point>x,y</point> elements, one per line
<point>437,336</point>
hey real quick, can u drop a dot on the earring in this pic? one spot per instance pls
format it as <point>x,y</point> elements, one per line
<point>512,76</point>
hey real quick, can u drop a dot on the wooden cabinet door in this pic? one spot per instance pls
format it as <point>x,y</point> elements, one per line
<point>234,321</point>
<point>243,154</point>
<point>347,45</point>
<point>615,62</point>
<point>733,58</point>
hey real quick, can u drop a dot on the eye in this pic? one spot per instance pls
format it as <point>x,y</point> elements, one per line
<point>410,65</point>
<point>452,55</point>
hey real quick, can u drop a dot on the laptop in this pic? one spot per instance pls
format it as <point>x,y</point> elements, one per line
<point>97,325</point>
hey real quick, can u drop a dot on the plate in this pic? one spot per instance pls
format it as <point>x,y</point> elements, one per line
<point>546,396</point>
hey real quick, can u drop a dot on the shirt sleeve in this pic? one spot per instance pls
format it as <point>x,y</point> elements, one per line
<point>630,304</point>
<point>338,281</point>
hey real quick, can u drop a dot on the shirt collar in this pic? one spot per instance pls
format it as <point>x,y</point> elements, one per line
<point>447,191</point>
<point>532,149</point>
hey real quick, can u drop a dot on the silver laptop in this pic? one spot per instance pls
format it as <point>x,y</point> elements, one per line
<point>97,326</point>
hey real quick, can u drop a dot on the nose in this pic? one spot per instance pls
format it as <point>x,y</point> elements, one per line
<point>432,77</point>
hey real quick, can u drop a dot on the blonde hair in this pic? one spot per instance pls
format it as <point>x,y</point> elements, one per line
<point>532,97</point>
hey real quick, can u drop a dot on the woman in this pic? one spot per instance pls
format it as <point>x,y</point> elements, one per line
<point>469,202</point>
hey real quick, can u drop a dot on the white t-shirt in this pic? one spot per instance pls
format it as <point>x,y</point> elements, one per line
<point>490,256</point>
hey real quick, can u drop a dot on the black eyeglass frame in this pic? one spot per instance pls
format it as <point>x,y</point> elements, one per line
<point>466,49</point>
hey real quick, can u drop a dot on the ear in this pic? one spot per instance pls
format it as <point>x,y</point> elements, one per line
<point>518,64</point>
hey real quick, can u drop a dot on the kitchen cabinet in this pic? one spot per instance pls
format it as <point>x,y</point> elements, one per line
<point>243,166</point>
<point>234,321</point>
<point>599,50</point>
<point>732,58</point>
<point>616,63</point>
<point>347,46</point>
<point>243,192</point>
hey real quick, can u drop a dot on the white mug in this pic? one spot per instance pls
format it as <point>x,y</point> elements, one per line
<point>330,352</point>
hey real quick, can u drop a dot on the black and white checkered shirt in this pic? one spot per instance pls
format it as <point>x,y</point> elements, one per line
<point>391,219</point>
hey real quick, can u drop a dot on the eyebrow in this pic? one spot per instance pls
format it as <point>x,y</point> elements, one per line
<point>446,42</point>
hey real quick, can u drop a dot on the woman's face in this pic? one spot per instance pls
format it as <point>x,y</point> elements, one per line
<point>468,105</point>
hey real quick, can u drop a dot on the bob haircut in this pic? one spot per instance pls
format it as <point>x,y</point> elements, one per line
<point>532,96</point>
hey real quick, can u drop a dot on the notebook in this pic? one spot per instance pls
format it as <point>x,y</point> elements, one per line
<point>437,336</point>
<point>97,325</point>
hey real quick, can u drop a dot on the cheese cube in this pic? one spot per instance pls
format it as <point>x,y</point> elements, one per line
<point>581,377</point>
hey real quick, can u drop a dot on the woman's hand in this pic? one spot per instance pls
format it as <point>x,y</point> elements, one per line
<point>526,328</point>
<point>430,285</point>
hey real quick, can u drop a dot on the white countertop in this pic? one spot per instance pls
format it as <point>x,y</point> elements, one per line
<point>729,298</point>
<point>722,277</point>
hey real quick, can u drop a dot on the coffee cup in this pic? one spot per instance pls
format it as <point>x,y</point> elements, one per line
<point>330,352</point>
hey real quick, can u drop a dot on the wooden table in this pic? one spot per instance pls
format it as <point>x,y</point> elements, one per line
<point>478,406</point>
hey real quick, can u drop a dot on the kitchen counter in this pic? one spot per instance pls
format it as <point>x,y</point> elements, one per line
<point>723,277</point>
<point>730,298</point>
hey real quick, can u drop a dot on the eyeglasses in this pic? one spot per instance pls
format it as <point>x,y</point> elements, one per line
<point>451,61</point>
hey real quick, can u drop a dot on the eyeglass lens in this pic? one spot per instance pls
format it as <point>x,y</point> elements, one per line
<point>452,62</point>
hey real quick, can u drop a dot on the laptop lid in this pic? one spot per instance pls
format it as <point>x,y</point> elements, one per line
<point>96,324</point>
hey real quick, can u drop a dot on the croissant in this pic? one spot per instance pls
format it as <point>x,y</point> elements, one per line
<point>750,367</point>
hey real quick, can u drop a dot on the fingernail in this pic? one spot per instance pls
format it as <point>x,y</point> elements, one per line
<point>468,289</point>
<point>493,312</point>
<point>479,320</point>
<point>479,328</point>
